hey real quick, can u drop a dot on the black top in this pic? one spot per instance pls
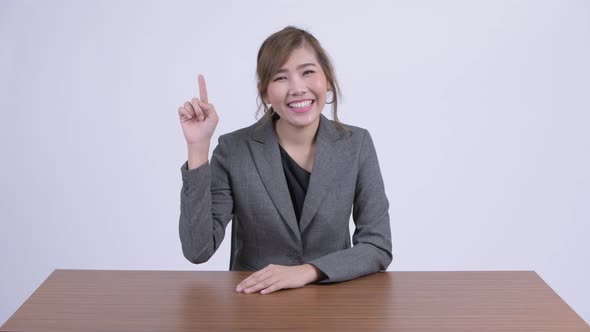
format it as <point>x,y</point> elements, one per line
<point>297,181</point>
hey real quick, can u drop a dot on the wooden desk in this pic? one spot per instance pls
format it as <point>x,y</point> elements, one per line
<point>87,300</point>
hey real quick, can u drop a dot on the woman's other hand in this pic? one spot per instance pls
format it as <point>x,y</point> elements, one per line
<point>275,277</point>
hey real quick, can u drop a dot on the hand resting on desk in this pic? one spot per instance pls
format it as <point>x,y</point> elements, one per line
<point>276,277</point>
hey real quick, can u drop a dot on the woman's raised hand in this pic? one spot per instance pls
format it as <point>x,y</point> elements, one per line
<point>198,118</point>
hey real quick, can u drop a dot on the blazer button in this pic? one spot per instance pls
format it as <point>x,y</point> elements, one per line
<point>296,259</point>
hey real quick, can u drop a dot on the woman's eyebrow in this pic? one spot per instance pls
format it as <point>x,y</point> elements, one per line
<point>283,70</point>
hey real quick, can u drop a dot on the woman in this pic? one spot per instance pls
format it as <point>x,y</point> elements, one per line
<point>289,182</point>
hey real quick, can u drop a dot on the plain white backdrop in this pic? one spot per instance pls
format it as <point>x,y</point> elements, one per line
<point>480,112</point>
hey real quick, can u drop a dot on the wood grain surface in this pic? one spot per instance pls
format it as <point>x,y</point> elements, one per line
<point>99,300</point>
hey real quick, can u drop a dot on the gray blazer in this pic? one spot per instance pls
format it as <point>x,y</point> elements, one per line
<point>245,182</point>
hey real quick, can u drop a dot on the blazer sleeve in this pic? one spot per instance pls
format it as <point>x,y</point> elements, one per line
<point>206,206</point>
<point>371,251</point>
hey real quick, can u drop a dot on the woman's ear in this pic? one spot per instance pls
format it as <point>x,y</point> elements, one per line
<point>265,101</point>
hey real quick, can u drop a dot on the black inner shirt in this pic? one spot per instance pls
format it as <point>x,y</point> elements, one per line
<point>297,181</point>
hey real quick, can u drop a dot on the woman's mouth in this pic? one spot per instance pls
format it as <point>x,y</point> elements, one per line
<point>301,106</point>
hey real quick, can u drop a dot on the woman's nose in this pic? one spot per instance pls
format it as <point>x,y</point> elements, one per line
<point>297,86</point>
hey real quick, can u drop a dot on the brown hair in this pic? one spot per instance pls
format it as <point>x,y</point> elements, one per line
<point>275,52</point>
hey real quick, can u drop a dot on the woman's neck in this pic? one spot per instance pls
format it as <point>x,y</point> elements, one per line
<point>296,136</point>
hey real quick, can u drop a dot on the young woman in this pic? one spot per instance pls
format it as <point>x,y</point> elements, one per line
<point>289,182</point>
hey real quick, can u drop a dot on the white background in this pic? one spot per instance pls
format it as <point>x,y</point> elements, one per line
<point>479,111</point>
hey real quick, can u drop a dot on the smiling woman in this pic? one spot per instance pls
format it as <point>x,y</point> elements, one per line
<point>289,54</point>
<point>298,91</point>
<point>289,182</point>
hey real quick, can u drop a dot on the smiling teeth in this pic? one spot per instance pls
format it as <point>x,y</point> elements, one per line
<point>300,104</point>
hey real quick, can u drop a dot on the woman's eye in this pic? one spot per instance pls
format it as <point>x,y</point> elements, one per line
<point>308,72</point>
<point>279,78</point>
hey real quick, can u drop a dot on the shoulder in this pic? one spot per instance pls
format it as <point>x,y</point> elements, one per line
<point>356,140</point>
<point>350,130</point>
<point>352,134</point>
<point>239,135</point>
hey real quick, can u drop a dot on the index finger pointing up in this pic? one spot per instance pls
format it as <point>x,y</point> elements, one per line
<point>203,89</point>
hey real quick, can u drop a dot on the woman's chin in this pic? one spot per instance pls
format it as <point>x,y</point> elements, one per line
<point>301,120</point>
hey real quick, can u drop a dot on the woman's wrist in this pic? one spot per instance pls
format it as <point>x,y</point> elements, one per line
<point>314,274</point>
<point>198,154</point>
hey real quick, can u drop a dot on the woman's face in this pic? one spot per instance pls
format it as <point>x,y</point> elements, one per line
<point>298,91</point>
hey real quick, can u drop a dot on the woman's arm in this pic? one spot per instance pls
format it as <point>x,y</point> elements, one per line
<point>206,206</point>
<point>371,251</point>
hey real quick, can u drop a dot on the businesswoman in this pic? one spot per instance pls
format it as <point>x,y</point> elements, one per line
<point>289,182</point>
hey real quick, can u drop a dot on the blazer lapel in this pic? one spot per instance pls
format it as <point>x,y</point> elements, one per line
<point>267,158</point>
<point>324,170</point>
